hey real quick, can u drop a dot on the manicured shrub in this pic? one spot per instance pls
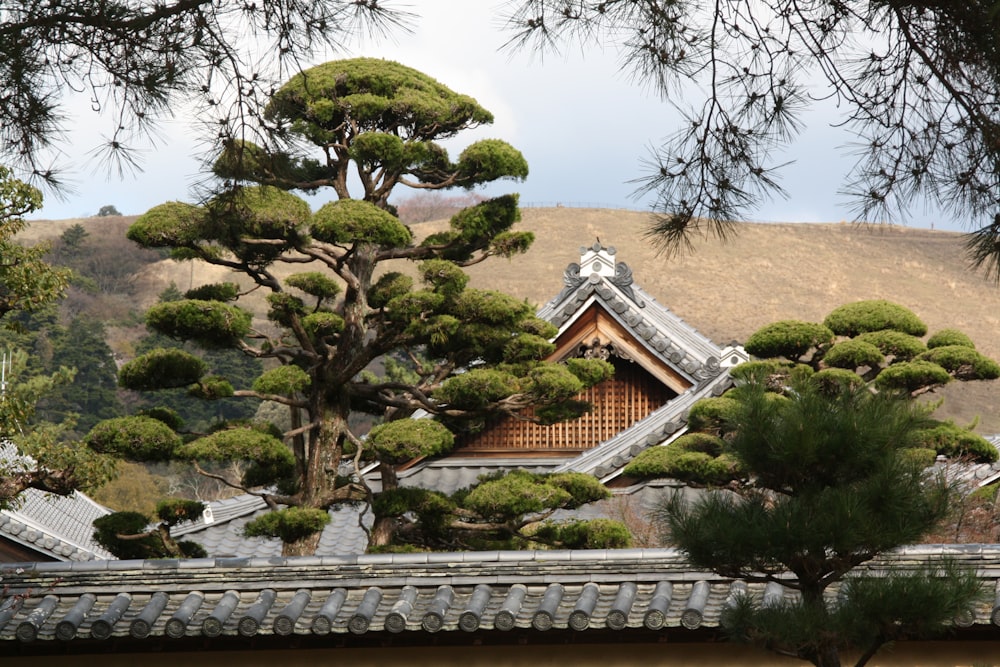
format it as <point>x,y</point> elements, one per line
<point>864,316</point>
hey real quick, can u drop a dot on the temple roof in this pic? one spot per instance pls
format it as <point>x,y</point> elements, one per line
<point>468,596</point>
<point>59,527</point>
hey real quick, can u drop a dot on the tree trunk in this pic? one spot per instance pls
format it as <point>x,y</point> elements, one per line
<point>384,528</point>
<point>304,547</point>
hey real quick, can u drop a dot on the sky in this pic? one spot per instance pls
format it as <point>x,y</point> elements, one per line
<point>583,124</point>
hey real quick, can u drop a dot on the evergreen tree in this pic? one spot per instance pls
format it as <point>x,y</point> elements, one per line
<point>369,125</point>
<point>873,343</point>
<point>831,486</point>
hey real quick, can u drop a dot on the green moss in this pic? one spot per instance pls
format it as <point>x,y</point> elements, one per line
<point>788,338</point>
<point>863,316</point>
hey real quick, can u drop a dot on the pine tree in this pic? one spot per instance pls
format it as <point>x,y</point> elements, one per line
<point>832,485</point>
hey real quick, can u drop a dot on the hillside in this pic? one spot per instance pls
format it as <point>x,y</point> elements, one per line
<point>728,290</point>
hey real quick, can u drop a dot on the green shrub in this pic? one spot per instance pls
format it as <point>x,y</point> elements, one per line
<point>833,381</point>
<point>911,376</point>
<point>900,346</point>
<point>405,439</point>
<point>787,338</point>
<point>950,337</point>
<point>693,457</point>
<point>288,525</point>
<point>850,354</point>
<point>864,316</point>
<point>162,368</point>
<point>949,439</point>
<point>592,534</point>
<point>134,439</point>
<point>963,362</point>
<point>283,380</point>
<point>786,371</point>
<point>712,414</point>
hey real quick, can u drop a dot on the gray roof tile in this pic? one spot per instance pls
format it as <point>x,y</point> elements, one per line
<point>575,591</point>
<point>58,526</point>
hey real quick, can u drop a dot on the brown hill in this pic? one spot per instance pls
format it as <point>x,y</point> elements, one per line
<point>728,290</point>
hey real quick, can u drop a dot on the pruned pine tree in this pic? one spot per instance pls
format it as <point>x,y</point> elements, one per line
<point>915,81</point>
<point>832,485</point>
<point>875,344</point>
<point>341,297</point>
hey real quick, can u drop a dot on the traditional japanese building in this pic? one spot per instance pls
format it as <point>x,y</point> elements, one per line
<point>662,367</point>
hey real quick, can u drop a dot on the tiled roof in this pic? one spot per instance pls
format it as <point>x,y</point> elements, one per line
<point>404,595</point>
<point>58,526</point>
<point>222,536</point>
<point>662,333</point>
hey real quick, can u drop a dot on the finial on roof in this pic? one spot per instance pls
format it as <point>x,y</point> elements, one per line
<point>597,259</point>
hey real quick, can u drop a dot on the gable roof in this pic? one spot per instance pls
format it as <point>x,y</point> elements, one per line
<point>643,329</point>
<point>467,596</point>
<point>654,336</point>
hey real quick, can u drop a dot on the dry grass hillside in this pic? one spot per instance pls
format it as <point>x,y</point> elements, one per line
<point>728,290</point>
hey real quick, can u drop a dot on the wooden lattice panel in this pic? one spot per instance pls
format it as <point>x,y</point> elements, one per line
<point>617,403</point>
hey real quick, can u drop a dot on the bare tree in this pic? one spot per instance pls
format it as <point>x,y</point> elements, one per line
<point>916,81</point>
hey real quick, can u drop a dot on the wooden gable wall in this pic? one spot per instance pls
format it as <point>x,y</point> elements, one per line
<point>618,403</point>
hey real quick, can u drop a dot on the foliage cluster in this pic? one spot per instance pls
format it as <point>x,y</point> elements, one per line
<point>867,343</point>
<point>476,353</point>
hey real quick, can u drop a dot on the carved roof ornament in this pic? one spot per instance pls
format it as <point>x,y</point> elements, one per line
<point>598,262</point>
<point>596,349</point>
